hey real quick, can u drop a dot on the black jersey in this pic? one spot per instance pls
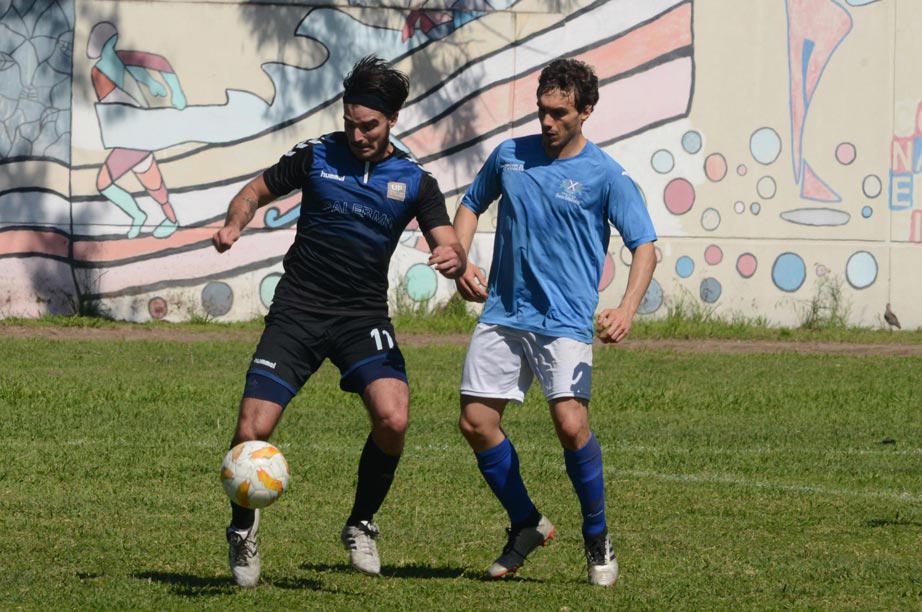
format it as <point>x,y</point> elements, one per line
<point>352,215</point>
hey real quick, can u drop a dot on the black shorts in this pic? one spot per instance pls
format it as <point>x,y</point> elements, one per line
<point>295,343</point>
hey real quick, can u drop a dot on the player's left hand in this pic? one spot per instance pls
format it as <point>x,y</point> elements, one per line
<point>447,261</point>
<point>613,325</point>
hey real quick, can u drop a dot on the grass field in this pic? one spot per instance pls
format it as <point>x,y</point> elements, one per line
<point>734,482</point>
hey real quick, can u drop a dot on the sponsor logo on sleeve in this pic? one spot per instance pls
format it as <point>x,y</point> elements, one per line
<point>397,191</point>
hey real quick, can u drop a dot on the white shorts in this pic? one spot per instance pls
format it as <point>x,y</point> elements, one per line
<point>501,362</point>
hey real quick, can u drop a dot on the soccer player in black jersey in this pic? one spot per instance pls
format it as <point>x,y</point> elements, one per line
<point>359,193</point>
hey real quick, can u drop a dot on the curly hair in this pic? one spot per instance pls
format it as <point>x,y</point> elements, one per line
<point>573,77</point>
<point>374,84</point>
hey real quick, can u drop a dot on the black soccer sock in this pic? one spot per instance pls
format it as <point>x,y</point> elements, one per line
<point>242,518</point>
<point>376,473</point>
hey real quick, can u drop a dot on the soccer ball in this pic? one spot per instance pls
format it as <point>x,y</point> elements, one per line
<point>254,474</point>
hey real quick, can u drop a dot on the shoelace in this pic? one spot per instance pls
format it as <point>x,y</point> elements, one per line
<point>243,549</point>
<point>597,551</point>
<point>370,530</point>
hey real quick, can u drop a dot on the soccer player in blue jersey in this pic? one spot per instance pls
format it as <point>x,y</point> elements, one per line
<point>557,194</point>
<point>359,193</point>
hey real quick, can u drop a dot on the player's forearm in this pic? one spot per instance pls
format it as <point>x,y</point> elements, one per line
<point>465,225</point>
<point>642,266</point>
<point>243,206</point>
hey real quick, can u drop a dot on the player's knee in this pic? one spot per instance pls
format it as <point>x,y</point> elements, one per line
<point>471,430</point>
<point>393,422</point>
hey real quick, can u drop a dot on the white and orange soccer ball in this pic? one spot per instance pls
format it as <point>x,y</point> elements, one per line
<point>254,474</point>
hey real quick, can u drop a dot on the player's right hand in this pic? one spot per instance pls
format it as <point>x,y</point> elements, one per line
<point>472,284</point>
<point>225,238</point>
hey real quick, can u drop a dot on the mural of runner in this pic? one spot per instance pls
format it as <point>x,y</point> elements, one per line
<point>122,77</point>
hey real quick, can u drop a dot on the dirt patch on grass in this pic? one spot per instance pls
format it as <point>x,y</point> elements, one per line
<point>181,334</point>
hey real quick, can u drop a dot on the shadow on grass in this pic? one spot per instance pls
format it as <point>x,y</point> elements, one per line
<point>406,571</point>
<point>188,585</point>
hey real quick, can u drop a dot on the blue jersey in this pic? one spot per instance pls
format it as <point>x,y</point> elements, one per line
<point>352,215</point>
<point>552,233</point>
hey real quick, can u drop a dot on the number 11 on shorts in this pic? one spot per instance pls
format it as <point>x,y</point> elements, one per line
<point>376,336</point>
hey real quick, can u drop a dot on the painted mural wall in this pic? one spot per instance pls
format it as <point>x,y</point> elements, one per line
<point>778,142</point>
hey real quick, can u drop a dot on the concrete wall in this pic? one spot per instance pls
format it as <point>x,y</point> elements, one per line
<point>778,142</point>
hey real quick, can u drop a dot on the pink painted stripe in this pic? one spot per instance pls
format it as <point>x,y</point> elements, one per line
<point>197,264</point>
<point>507,102</point>
<point>20,242</point>
<point>634,103</point>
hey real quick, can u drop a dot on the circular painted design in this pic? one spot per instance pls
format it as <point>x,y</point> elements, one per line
<point>739,207</point>
<point>866,212</point>
<point>821,270</point>
<point>684,266</point>
<point>871,186</point>
<point>755,208</point>
<point>691,141</point>
<point>765,145</point>
<point>746,265</point>
<point>157,308</point>
<point>679,196</point>
<point>710,290</point>
<point>652,299</point>
<point>713,255</point>
<point>789,272</point>
<point>421,282</point>
<point>662,161</point>
<point>267,288</point>
<point>766,188</point>
<point>710,219</point>
<point>715,167</point>
<point>861,270</point>
<point>846,153</point>
<point>217,299</point>
<point>741,170</point>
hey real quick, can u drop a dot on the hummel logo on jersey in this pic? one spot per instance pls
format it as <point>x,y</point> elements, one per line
<point>270,364</point>
<point>330,175</point>
<point>397,191</point>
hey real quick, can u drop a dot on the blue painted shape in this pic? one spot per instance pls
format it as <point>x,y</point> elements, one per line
<point>684,266</point>
<point>652,299</point>
<point>861,270</point>
<point>901,190</point>
<point>917,154</point>
<point>789,272</point>
<point>273,220</point>
<point>421,282</point>
<point>806,52</point>
<point>710,290</point>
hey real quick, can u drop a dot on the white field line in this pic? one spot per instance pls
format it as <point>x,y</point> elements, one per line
<point>614,472</point>
<point>755,484</point>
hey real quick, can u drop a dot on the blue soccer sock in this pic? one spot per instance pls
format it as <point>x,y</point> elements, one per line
<point>500,468</point>
<point>584,467</point>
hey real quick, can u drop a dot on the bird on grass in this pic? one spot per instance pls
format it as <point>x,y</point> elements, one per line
<point>890,318</point>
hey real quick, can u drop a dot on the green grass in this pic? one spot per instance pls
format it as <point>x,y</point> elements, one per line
<point>734,482</point>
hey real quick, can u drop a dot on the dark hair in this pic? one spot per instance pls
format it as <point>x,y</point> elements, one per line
<point>375,85</point>
<point>571,76</point>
